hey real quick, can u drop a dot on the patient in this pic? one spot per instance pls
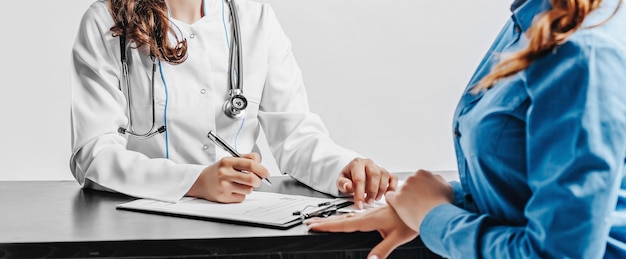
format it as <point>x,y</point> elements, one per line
<point>540,138</point>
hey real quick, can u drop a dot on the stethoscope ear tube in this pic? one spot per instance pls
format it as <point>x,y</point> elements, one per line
<point>151,133</point>
<point>131,130</point>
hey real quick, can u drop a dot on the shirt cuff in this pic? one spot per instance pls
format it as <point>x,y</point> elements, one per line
<point>189,176</point>
<point>433,228</point>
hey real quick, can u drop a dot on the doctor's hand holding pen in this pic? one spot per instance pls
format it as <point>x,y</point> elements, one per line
<point>366,181</point>
<point>224,181</point>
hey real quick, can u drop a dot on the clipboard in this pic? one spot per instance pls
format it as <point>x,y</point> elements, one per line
<point>261,209</point>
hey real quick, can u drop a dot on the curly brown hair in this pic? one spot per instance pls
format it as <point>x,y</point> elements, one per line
<point>146,22</point>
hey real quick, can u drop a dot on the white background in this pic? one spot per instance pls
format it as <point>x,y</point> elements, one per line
<point>384,75</point>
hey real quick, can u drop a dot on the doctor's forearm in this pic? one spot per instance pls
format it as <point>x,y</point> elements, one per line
<point>132,173</point>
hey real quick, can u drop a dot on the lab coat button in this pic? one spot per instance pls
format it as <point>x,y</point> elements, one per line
<point>205,147</point>
<point>203,91</point>
<point>192,36</point>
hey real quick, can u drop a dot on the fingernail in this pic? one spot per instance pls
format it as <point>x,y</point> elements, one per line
<point>345,186</point>
<point>359,205</point>
<point>373,257</point>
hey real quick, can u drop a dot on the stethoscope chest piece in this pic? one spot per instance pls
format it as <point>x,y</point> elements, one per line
<point>235,106</point>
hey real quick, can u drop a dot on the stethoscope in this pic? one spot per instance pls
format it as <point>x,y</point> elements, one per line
<point>236,103</point>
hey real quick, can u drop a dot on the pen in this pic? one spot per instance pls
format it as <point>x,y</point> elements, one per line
<point>222,144</point>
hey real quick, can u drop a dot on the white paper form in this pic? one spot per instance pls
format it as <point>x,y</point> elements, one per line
<point>264,208</point>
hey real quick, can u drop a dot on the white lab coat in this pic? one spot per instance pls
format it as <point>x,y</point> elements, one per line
<point>104,159</point>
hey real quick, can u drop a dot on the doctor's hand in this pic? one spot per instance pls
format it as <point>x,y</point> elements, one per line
<point>225,182</point>
<point>366,180</point>
<point>419,194</point>
<point>382,219</point>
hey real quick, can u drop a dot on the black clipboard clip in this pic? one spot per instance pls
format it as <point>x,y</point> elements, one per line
<point>324,209</point>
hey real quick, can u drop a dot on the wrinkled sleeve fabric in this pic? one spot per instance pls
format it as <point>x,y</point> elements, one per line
<point>297,137</point>
<point>576,145</point>
<point>457,191</point>
<point>99,158</point>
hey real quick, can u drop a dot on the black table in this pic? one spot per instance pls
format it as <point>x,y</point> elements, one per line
<point>58,219</point>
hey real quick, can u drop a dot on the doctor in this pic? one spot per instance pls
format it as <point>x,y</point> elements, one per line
<point>151,78</point>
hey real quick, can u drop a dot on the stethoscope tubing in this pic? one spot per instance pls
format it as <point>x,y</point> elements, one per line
<point>235,62</point>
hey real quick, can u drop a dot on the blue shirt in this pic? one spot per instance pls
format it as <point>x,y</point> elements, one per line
<point>541,155</point>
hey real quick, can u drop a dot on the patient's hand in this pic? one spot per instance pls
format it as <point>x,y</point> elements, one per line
<point>382,219</point>
<point>419,194</point>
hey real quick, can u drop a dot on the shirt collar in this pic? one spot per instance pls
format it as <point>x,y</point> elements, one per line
<point>525,10</point>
